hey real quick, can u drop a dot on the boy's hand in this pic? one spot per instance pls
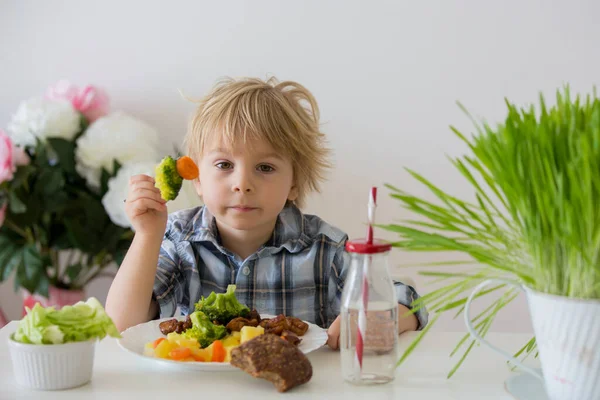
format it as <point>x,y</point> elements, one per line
<point>334,334</point>
<point>406,322</point>
<point>146,210</point>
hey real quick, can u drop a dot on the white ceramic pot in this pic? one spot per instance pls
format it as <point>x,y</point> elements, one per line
<point>52,366</point>
<point>567,332</point>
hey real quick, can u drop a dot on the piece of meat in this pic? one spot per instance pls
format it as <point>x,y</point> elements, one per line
<point>169,326</point>
<point>173,325</point>
<point>297,326</point>
<point>184,325</point>
<point>187,324</point>
<point>236,324</point>
<point>276,325</point>
<point>274,359</point>
<point>291,337</point>
<point>281,323</point>
<point>254,315</point>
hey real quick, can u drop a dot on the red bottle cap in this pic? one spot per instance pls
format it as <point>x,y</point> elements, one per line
<point>361,246</point>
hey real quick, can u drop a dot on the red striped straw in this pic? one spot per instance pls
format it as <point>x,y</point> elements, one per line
<point>362,310</point>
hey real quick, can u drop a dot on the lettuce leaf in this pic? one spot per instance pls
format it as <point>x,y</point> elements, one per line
<point>77,323</point>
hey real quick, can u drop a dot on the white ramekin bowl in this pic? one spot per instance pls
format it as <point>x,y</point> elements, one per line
<point>52,366</point>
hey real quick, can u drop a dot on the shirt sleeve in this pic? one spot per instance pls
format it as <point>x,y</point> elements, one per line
<point>337,277</point>
<point>168,282</point>
<point>406,295</point>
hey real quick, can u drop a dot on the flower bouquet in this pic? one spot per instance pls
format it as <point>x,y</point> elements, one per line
<point>65,161</point>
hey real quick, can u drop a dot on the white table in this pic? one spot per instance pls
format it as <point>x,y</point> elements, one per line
<point>121,375</point>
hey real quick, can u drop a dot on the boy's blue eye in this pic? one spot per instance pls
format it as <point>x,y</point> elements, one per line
<point>224,165</point>
<point>265,168</point>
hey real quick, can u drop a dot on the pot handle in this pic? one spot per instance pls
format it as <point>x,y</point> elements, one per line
<point>481,340</point>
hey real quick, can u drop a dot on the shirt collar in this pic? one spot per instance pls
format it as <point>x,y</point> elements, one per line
<point>289,232</point>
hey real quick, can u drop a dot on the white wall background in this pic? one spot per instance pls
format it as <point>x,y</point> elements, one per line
<point>386,75</point>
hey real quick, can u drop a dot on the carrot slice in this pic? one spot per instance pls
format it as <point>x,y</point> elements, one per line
<point>187,168</point>
<point>180,353</point>
<point>218,351</point>
<point>157,342</point>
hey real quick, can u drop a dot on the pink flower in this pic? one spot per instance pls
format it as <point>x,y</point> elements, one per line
<point>10,157</point>
<point>20,157</point>
<point>7,167</point>
<point>90,101</point>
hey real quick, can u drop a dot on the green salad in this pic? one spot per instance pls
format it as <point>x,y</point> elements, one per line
<point>212,314</point>
<point>77,323</point>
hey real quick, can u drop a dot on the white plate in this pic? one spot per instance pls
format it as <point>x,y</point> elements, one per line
<point>135,338</point>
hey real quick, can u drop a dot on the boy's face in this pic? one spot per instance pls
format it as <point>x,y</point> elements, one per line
<point>247,186</point>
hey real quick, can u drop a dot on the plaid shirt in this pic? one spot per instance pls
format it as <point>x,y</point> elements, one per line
<point>299,272</point>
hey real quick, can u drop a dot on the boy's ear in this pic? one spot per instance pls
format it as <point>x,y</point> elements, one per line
<point>198,186</point>
<point>293,195</point>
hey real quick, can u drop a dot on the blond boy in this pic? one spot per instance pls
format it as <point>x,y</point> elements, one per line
<point>260,152</point>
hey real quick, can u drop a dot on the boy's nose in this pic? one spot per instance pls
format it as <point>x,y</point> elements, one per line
<point>242,183</point>
<point>242,188</point>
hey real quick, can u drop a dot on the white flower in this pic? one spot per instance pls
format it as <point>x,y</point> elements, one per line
<point>117,136</point>
<point>117,191</point>
<point>43,118</point>
<point>118,187</point>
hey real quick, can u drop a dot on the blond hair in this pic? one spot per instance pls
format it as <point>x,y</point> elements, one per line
<point>285,114</point>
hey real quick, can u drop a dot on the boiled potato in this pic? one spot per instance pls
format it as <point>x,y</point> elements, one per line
<point>163,349</point>
<point>250,332</point>
<point>230,341</point>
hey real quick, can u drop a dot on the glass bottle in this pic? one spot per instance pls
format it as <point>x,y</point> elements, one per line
<point>369,268</point>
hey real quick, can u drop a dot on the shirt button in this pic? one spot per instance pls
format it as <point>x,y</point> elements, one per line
<point>246,270</point>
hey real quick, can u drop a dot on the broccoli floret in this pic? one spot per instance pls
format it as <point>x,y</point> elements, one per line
<point>203,330</point>
<point>222,307</point>
<point>168,179</point>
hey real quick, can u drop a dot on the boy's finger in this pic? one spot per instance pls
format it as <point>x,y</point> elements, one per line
<point>333,342</point>
<point>145,185</point>
<point>145,193</point>
<point>333,334</point>
<point>143,205</point>
<point>140,178</point>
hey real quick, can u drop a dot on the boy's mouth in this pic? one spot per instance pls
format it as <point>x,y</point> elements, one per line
<point>242,208</point>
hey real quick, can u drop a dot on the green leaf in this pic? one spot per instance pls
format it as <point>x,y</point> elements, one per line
<point>41,159</point>
<point>43,285</point>
<point>116,167</point>
<point>73,271</point>
<point>60,239</point>
<point>84,123</point>
<point>8,266</point>
<point>417,340</point>
<point>7,251</point>
<point>104,178</point>
<point>15,204</point>
<point>33,262</point>
<point>21,175</point>
<point>462,359</point>
<point>14,264</point>
<point>460,302</point>
<point>56,203</point>
<point>50,181</point>
<point>65,151</point>
<point>28,267</point>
